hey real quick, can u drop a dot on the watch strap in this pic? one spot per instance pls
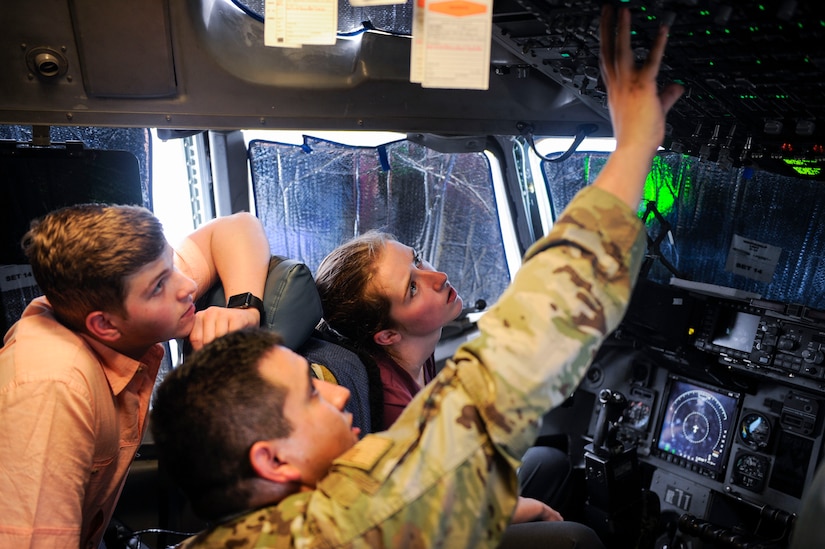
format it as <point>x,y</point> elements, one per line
<point>246,301</point>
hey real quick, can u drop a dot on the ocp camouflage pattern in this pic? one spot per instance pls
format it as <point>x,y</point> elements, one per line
<point>444,474</point>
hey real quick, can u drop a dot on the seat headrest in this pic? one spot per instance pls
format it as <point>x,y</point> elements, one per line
<point>291,301</point>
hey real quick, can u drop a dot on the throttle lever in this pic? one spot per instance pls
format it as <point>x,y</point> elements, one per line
<point>613,404</point>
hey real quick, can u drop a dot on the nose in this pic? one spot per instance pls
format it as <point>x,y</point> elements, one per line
<point>336,395</point>
<point>186,286</point>
<point>437,278</point>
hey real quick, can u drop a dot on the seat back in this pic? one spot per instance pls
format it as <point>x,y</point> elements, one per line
<point>291,301</point>
<point>293,309</point>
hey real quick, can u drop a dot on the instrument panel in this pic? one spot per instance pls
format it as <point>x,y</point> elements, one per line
<point>724,400</point>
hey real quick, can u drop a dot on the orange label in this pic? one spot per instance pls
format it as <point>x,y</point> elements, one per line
<point>458,8</point>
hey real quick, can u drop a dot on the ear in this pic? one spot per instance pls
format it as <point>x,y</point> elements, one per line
<point>263,456</point>
<point>387,337</point>
<point>101,327</point>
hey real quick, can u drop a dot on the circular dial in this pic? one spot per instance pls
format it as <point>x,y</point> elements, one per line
<point>755,430</point>
<point>750,471</point>
<point>697,426</point>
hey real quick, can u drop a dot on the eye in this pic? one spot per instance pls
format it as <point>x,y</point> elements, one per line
<point>416,259</point>
<point>159,286</point>
<point>413,288</point>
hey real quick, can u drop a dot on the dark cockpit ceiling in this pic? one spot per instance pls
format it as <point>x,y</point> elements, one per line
<point>754,72</point>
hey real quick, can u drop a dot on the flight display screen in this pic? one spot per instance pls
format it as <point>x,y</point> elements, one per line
<point>736,330</point>
<point>698,424</point>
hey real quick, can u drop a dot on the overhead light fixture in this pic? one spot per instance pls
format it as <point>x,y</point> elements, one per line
<point>47,63</point>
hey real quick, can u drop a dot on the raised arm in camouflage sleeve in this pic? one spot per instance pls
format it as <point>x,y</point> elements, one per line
<point>446,469</point>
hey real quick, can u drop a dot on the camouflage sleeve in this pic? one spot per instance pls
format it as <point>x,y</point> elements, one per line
<point>539,338</point>
<point>444,474</point>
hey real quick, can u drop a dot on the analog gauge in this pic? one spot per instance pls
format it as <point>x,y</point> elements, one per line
<point>750,471</point>
<point>755,430</point>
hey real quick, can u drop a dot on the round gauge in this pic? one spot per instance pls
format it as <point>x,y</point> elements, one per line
<point>697,426</point>
<point>755,430</point>
<point>750,471</point>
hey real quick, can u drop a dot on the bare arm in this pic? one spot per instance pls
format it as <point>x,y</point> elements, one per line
<point>637,109</point>
<point>237,252</point>
<point>533,510</point>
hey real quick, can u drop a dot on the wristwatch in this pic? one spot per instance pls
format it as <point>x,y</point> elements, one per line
<point>245,301</point>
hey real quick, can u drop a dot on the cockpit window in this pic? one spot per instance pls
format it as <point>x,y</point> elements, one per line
<point>314,196</point>
<point>743,228</point>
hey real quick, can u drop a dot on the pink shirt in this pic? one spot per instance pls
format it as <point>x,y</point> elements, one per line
<point>399,386</point>
<point>72,412</point>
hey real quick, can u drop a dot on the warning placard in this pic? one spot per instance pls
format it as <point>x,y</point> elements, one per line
<point>753,259</point>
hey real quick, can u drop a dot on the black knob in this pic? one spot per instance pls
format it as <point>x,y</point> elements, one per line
<point>786,344</point>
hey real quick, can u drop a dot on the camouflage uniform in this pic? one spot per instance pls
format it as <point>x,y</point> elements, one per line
<point>444,475</point>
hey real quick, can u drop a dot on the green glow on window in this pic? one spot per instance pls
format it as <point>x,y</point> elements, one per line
<point>661,187</point>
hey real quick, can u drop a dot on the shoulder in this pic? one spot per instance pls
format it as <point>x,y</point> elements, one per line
<point>39,348</point>
<point>265,527</point>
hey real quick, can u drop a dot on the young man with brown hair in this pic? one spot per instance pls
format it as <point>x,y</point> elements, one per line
<point>77,370</point>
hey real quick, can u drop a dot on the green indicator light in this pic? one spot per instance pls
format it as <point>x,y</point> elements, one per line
<point>643,8</point>
<point>564,54</point>
<point>804,167</point>
<point>758,61</point>
<point>711,63</point>
<point>651,18</point>
<point>727,31</point>
<point>761,7</point>
<point>704,12</point>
